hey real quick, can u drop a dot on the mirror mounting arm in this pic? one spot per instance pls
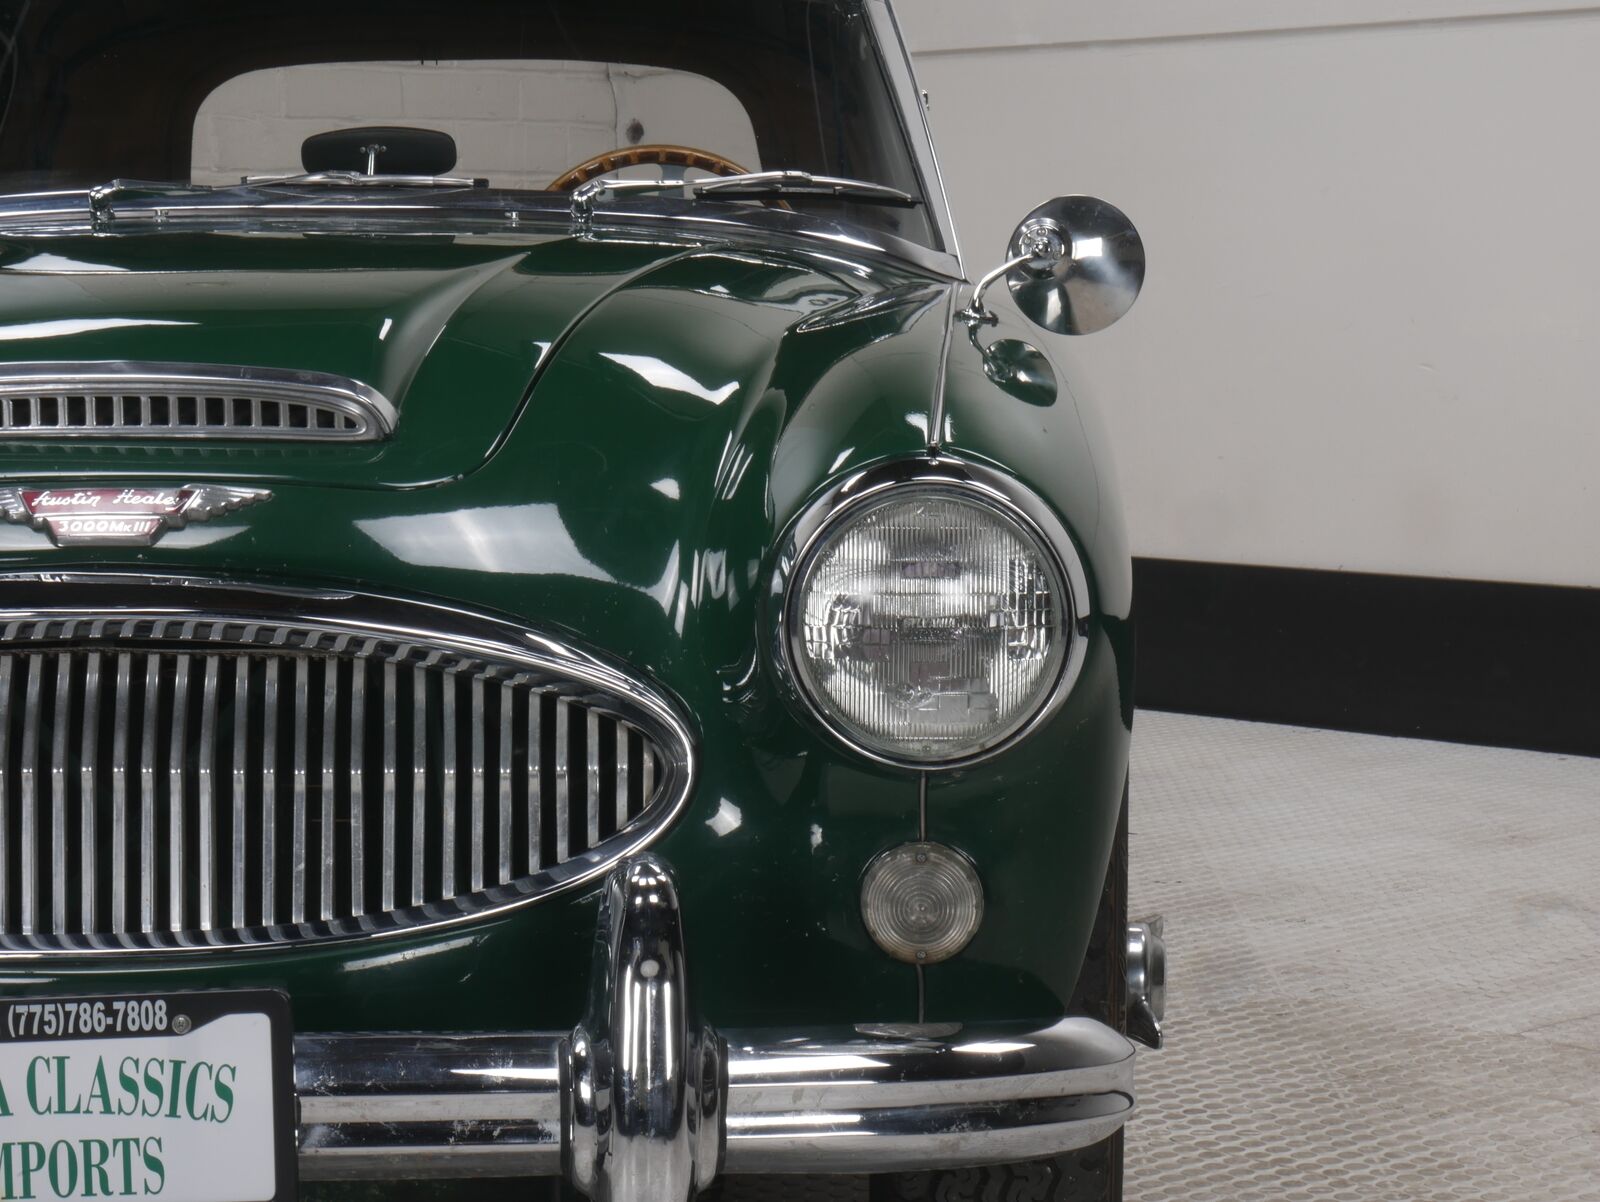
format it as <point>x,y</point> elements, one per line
<point>977,314</point>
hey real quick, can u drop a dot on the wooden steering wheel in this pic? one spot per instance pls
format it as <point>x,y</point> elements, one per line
<point>653,155</point>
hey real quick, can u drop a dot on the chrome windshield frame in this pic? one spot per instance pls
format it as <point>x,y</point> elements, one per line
<point>896,58</point>
<point>479,212</point>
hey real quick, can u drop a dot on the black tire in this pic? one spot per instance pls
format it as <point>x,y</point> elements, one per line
<point>1092,1174</point>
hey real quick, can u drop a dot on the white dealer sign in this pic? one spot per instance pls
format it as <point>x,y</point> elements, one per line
<point>140,1098</point>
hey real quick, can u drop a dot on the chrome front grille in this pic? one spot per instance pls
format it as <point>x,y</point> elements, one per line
<point>162,401</point>
<point>189,783</point>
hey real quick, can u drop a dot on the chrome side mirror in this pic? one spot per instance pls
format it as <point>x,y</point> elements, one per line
<point>1075,265</point>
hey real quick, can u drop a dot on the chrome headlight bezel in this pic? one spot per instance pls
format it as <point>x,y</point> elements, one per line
<point>853,495</point>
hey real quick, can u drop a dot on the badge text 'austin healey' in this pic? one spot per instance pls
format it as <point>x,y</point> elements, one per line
<point>80,515</point>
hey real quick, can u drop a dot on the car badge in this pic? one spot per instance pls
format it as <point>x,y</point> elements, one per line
<point>136,515</point>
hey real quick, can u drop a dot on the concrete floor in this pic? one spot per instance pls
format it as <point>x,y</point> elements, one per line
<point>1385,963</point>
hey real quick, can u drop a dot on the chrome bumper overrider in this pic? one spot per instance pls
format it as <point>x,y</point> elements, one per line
<point>642,1101</point>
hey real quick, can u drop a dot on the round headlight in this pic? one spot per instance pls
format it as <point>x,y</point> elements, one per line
<point>929,625</point>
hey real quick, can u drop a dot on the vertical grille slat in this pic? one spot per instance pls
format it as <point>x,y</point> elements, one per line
<point>88,812</point>
<point>358,792</point>
<point>207,794</point>
<point>168,783</point>
<point>507,707</point>
<point>270,914</point>
<point>177,796</point>
<point>5,791</point>
<point>591,789</point>
<point>325,822</point>
<point>121,703</point>
<point>477,784</point>
<point>297,818</point>
<point>30,797</point>
<point>391,770</point>
<point>449,742</point>
<point>419,781</point>
<point>239,869</point>
<point>150,701</point>
<point>535,807</point>
<point>563,785</point>
<point>59,878</point>
<point>620,794</point>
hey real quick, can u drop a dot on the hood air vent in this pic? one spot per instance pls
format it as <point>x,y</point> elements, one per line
<point>162,401</point>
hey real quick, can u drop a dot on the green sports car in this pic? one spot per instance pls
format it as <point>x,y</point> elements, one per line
<point>547,630</point>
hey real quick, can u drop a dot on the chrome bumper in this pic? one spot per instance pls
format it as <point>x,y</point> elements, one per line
<point>642,1102</point>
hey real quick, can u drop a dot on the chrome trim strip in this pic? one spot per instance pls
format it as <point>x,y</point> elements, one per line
<point>642,1101</point>
<point>896,57</point>
<point>941,377</point>
<point>659,220</point>
<point>372,414</point>
<point>178,616</point>
<point>834,505</point>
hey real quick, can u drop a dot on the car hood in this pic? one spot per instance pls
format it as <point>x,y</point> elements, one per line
<point>451,330</point>
<point>455,331</point>
<point>568,408</point>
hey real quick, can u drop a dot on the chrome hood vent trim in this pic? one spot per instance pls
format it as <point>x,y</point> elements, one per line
<point>188,767</point>
<point>162,401</point>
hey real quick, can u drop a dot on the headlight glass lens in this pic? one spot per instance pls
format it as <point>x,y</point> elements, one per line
<point>929,624</point>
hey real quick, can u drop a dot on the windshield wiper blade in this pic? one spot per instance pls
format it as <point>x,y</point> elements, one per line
<point>759,184</point>
<point>359,179</point>
<point>755,185</point>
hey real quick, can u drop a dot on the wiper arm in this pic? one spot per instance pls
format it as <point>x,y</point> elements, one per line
<point>360,179</point>
<point>802,183</point>
<point>754,185</point>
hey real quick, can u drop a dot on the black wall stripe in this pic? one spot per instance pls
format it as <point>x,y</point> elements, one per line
<point>1510,664</point>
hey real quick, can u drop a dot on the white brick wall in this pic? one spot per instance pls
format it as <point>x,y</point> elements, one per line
<point>520,124</point>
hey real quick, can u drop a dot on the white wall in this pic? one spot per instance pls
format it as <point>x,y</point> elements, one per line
<point>1368,335</point>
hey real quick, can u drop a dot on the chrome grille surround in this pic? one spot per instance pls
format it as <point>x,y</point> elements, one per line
<point>162,401</point>
<point>351,856</point>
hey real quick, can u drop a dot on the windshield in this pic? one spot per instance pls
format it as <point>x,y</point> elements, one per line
<point>515,94</point>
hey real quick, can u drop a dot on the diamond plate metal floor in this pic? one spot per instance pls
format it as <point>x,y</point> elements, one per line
<point>1385,968</point>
